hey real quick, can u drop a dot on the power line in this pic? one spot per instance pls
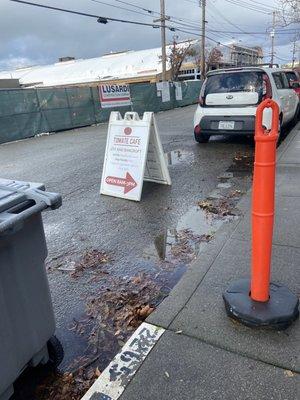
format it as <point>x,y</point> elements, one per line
<point>256,33</point>
<point>262,4</point>
<point>249,6</point>
<point>207,37</point>
<point>138,7</point>
<point>226,19</point>
<point>152,12</point>
<point>106,19</point>
<point>100,19</point>
<point>120,8</point>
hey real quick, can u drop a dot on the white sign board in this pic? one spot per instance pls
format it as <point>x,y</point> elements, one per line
<point>166,92</point>
<point>178,91</point>
<point>163,91</point>
<point>114,96</point>
<point>133,154</point>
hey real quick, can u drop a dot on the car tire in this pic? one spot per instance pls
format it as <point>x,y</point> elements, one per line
<point>56,352</point>
<point>280,132</point>
<point>202,138</point>
<point>296,116</point>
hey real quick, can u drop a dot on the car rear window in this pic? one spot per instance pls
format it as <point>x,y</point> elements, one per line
<point>235,82</point>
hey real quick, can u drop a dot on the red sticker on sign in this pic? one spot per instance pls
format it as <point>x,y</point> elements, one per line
<point>128,131</point>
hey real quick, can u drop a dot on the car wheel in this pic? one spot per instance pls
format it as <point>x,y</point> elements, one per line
<point>56,352</point>
<point>280,132</point>
<point>296,116</point>
<point>202,138</point>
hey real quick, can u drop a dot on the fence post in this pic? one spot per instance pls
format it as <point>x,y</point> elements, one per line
<point>93,101</point>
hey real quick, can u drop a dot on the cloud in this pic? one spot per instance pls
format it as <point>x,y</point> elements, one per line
<point>30,35</point>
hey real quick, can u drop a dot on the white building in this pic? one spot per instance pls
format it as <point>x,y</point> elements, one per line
<point>126,67</point>
<point>123,67</point>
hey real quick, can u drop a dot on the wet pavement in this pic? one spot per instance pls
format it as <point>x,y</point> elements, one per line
<point>112,261</point>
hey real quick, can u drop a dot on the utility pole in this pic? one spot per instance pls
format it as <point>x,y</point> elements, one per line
<point>294,53</point>
<point>295,48</point>
<point>163,39</point>
<point>273,38</point>
<point>202,4</point>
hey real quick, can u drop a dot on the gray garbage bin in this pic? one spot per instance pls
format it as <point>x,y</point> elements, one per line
<point>27,320</point>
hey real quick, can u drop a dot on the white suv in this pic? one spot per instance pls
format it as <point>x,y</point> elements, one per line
<point>229,97</point>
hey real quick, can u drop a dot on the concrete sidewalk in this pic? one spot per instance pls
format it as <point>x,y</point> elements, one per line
<point>200,353</point>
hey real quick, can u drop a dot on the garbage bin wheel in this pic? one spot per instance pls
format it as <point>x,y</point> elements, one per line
<point>56,352</point>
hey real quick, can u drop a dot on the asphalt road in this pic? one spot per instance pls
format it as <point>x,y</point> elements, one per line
<point>71,163</point>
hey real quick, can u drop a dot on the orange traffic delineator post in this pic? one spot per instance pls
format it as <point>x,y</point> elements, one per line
<point>257,302</point>
<point>263,201</point>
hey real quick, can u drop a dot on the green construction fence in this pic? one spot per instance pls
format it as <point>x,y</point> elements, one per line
<point>27,112</point>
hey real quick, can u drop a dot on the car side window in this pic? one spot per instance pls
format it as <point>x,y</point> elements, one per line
<point>278,80</point>
<point>285,81</point>
<point>293,79</point>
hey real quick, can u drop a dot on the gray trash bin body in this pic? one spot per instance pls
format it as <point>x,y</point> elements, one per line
<point>27,318</point>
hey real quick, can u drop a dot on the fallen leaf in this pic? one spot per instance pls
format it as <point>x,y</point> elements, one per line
<point>289,373</point>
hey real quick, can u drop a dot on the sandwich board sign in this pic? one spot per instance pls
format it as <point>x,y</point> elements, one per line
<point>133,154</point>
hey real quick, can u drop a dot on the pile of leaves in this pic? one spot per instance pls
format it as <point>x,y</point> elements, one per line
<point>121,307</point>
<point>114,309</point>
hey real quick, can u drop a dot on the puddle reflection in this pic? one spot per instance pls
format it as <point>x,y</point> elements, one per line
<point>179,156</point>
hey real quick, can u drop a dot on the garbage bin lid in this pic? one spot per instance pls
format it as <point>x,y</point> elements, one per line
<point>14,192</point>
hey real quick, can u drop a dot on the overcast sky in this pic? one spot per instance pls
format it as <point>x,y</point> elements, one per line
<point>30,35</point>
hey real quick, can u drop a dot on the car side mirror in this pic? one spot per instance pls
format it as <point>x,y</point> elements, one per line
<point>294,85</point>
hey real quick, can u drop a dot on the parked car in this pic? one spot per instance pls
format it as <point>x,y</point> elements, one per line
<point>294,80</point>
<point>229,98</point>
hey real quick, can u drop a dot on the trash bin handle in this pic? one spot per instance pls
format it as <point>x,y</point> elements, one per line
<point>15,219</point>
<point>52,200</point>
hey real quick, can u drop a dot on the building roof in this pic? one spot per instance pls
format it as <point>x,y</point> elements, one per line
<point>125,65</point>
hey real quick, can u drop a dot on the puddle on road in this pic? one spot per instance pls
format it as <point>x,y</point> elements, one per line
<point>183,243</point>
<point>199,222</point>
<point>176,157</point>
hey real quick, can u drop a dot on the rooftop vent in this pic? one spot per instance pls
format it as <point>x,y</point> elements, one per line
<point>64,59</point>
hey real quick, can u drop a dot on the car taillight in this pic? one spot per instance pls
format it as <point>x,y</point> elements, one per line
<point>267,88</point>
<point>202,94</point>
<point>197,130</point>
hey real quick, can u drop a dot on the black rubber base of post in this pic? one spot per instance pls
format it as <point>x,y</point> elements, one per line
<point>278,313</point>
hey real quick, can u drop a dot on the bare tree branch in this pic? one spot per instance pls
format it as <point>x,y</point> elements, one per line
<point>179,52</point>
<point>289,12</point>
